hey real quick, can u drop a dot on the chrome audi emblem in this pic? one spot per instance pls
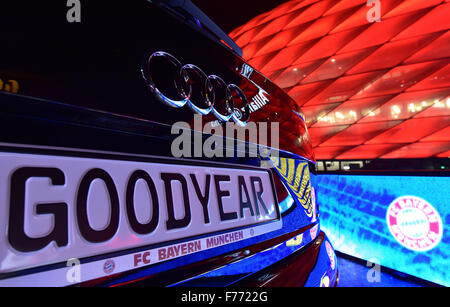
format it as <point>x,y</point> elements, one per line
<point>203,94</point>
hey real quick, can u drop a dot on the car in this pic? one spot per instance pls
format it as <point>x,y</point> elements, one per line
<point>140,149</point>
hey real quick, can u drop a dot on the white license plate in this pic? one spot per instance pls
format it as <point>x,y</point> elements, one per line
<point>57,208</point>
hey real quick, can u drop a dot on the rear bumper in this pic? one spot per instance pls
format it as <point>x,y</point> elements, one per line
<point>326,271</point>
<point>313,266</point>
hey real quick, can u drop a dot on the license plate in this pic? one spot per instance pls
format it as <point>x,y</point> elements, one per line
<point>111,213</point>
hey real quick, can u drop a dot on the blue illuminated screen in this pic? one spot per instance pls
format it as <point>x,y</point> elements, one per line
<point>400,222</point>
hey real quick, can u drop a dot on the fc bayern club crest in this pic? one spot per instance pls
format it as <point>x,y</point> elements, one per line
<point>109,266</point>
<point>414,223</point>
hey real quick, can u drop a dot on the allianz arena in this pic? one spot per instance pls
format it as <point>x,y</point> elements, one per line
<point>368,89</point>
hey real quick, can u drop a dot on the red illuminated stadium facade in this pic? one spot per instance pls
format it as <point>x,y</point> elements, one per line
<point>368,89</point>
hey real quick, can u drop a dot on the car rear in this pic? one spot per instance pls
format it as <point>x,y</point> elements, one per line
<point>106,178</point>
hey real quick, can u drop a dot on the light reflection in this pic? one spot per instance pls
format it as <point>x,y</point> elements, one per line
<point>286,204</point>
<point>395,110</point>
<point>439,104</point>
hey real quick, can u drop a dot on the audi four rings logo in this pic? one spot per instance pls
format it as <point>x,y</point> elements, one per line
<point>203,94</point>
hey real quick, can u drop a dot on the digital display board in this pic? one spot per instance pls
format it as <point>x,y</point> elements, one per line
<point>400,222</point>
